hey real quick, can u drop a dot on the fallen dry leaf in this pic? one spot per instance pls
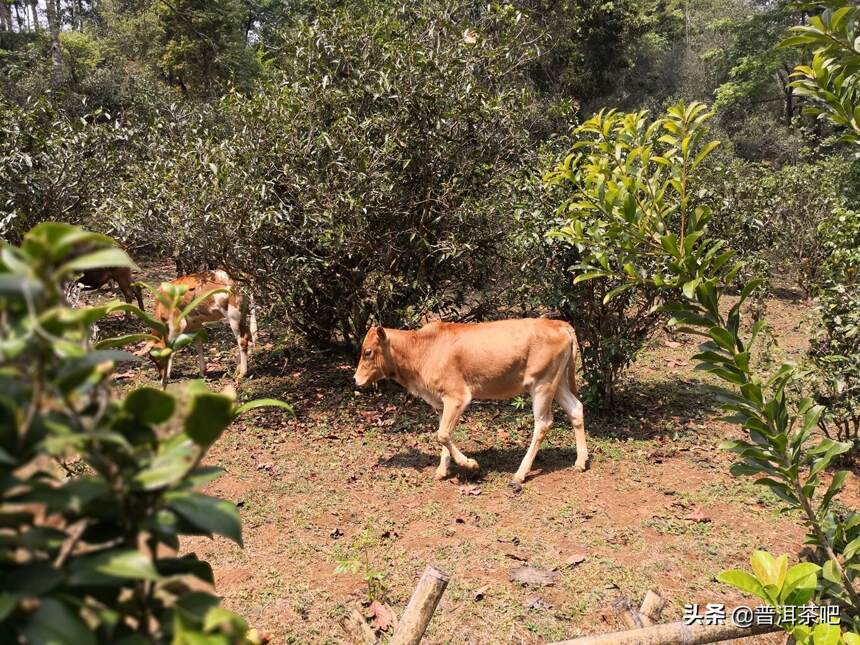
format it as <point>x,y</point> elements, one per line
<point>673,344</point>
<point>575,559</point>
<point>381,614</point>
<point>336,533</point>
<point>470,490</point>
<point>517,557</point>
<point>698,516</point>
<point>536,602</point>
<point>532,576</point>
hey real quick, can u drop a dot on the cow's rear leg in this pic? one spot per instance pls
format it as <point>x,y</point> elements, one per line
<point>201,359</point>
<point>451,411</point>
<point>542,406</point>
<point>444,464</point>
<point>573,407</point>
<point>234,317</point>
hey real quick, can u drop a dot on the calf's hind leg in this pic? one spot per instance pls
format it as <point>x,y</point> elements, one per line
<point>573,407</point>
<point>451,411</point>
<point>237,325</point>
<point>542,407</point>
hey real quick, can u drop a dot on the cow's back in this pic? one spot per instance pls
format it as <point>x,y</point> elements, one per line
<point>495,360</point>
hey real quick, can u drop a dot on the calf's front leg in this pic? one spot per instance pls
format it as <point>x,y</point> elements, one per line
<point>201,359</point>
<point>451,411</point>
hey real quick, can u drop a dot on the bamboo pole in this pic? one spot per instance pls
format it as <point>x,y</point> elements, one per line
<point>421,606</point>
<point>674,634</point>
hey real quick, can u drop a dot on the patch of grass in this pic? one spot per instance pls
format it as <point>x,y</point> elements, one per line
<point>673,526</point>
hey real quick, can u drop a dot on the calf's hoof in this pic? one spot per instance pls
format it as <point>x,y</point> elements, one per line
<point>471,465</point>
<point>516,486</point>
<point>440,474</point>
<point>580,466</point>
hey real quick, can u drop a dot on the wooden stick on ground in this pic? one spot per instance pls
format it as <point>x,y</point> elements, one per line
<point>625,610</point>
<point>652,606</point>
<point>421,606</point>
<point>674,633</point>
<point>359,632</point>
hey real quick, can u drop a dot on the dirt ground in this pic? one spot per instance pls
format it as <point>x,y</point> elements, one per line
<point>351,477</point>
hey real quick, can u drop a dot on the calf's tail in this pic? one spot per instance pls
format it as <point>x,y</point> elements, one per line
<point>571,364</point>
<point>248,318</point>
<point>253,322</point>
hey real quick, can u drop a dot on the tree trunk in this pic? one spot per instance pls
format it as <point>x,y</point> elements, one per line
<point>784,79</point>
<point>5,16</point>
<point>34,10</point>
<point>53,13</point>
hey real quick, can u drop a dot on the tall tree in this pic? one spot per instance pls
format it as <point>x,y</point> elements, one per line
<point>52,10</point>
<point>204,43</point>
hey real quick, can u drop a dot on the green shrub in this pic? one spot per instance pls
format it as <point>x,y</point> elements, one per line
<point>55,165</point>
<point>360,182</point>
<point>631,211</point>
<point>836,352</point>
<point>772,215</point>
<point>612,332</point>
<point>97,489</point>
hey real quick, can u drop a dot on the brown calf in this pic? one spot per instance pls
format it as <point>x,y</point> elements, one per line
<point>449,365</point>
<point>234,307</point>
<point>97,278</point>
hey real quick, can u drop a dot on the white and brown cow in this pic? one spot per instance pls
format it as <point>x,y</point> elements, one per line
<point>448,365</point>
<point>233,306</point>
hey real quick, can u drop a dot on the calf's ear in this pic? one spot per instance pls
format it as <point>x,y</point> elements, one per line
<point>380,333</point>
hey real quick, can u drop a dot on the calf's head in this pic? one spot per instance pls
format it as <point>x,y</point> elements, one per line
<point>375,362</point>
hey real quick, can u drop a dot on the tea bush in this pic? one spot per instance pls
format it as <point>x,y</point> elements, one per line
<point>97,489</point>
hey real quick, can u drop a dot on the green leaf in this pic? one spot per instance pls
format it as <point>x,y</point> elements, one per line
<point>262,403</point>
<point>589,275</point>
<point>723,338</point>
<point>33,579</point>
<point>123,341</point>
<point>191,306</point>
<point>209,415</point>
<point>159,327</point>
<point>618,291</point>
<point>55,623</point>
<point>8,602</point>
<point>831,573</point>
<point>169,466</point>
<point>208,514</point>
<point>185,339</point>
<point>744,581</point>
<point>149,405</point>
<point>707,149</point>
<point>851,548</point>
<point>186,565</point>
<point>824,634</point>
<point>103,258</point>
<point>770,571</point>
<point>689,288</point>
<point>111,567</point>
<point>800,583</point>
<point>835,486</point>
